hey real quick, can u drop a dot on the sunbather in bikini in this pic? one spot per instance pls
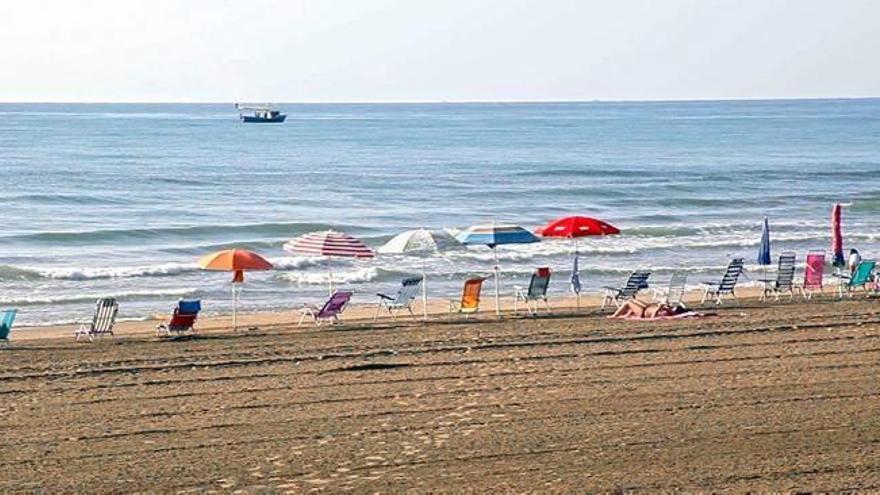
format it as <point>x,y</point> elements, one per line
<point>638,309</point>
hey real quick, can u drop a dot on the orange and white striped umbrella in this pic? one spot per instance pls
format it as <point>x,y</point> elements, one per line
<point>329,243</point>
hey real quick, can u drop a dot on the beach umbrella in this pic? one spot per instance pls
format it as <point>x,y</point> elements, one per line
<point>237,261</point>
<point>494,235</point>
<point>837,237</point>
<point>764,258</point>
<point>331,244</point>
<point>573,227</point>
<point>576,279</point>
<point>418,241</point>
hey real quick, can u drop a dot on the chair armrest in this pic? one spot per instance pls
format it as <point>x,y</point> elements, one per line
<point>710,282</point>
<point>384,296</point>
<point>611,288</point>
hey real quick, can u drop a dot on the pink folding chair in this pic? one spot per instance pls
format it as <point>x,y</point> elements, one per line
<point>813,274</point>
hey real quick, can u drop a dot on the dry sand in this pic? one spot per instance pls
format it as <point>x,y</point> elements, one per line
<point>759,397</point>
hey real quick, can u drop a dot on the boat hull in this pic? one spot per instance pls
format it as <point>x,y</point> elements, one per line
<point>263,120</point>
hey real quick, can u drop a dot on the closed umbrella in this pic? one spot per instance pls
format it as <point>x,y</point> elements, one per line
<point>764,258</point>
<point>837,237</point>
<point>237,261</point>
<point>573,227</point>
<point>331,244</point>
<point>418,241</point>
<point>492,236</point>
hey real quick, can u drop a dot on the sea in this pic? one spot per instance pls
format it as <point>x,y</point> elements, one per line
<point>122,199</point>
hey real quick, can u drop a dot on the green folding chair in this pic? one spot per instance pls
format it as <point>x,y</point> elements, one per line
<point>859,279</point>
<point>6,319</point>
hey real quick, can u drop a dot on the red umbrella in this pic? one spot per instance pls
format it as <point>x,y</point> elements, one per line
<point>836,237</point>
<point>572,228</point>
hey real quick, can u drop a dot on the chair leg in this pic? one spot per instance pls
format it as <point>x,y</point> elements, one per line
<point>303,316</point>
<point>705,296</point>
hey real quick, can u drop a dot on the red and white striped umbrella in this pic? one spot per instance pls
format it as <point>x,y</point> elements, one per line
<point>329,243</point>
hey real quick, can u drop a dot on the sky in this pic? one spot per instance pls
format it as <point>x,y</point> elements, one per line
<point>436,50</point>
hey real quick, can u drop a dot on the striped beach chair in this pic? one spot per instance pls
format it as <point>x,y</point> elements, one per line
<point>673,294</point>
<point>784,281</point>
<point>536,292</point>
<point>102,322</point>
<point>637,281</point>
<point>717,289</point>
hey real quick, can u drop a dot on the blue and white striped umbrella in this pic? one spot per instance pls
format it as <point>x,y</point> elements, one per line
<point>493,235</point>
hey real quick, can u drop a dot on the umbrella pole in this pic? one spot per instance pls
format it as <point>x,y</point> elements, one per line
<point>497,293</point>
<point>577,294</point>
<point>424,290</point>
<point>330,282</point>
<point>234,308</point>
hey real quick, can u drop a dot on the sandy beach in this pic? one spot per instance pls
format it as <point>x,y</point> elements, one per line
<point>756,397</point>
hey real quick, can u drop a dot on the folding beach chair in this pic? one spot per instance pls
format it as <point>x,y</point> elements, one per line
<point>536,291</point>
<point>784,281</point>
<point>814,272</point>
<point>330,311</point>
<point>102,322</point>
<point>637,281</point>
<point>673,294</point>
<point>183,318</point>
<point>7,317</point>
<point>406,294</point>
<point>470,297</point>
<point>860,279</point>
<point>717,289</point>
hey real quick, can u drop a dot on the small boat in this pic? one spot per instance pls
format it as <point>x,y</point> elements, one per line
<point>262,114</point>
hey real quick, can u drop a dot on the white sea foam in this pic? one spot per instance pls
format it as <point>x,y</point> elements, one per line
<point>40,298</point>
<point>360,275</point>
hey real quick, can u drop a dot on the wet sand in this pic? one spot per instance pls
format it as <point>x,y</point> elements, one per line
<point>758,397</point>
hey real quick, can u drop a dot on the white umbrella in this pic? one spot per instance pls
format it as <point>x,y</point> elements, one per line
<point>418,241</point>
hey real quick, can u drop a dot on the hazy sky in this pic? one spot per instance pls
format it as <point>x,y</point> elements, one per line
<point>432,50</point>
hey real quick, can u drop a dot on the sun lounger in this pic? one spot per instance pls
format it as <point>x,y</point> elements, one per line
<point>536,291</point>
<point>637,281</point>
<point>102,322</point>
<point>403,300</point>
<point>717,289</point>
<point>862,278</point>
<point>784,281</point>
<point>470,297</point>
<point>183,318</point>
<point>814,272</point>
<point>7,317</point>
<point>330,311</point>
<point>673,294</point>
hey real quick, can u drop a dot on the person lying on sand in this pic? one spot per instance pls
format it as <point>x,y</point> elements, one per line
<point>638,309</point>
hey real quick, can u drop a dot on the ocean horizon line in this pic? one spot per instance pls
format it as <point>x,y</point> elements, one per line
<point>450,102</point>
